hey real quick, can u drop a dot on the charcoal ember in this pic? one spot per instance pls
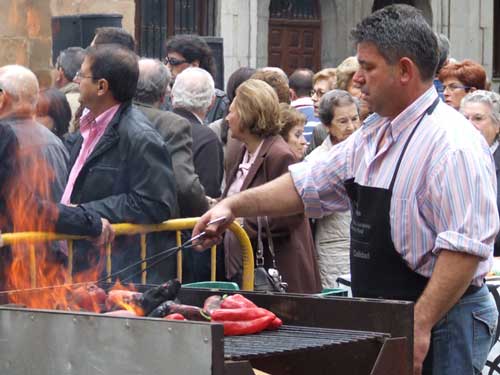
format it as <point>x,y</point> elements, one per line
<point>153,297</point>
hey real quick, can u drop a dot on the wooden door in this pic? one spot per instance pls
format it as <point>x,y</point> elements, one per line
<point>294,35</point>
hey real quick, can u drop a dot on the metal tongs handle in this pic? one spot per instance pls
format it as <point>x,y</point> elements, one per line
<point>200,235</point>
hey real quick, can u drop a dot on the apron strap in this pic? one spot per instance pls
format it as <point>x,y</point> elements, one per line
<point>428,111</point>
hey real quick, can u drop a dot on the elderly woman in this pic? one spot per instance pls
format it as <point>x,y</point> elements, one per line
<point>253,119</point>
<point>292,130</point>
<point>482,108</point>
<point>339,112</point>
<point>461,78</point>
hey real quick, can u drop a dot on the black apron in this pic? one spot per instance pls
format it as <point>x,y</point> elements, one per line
<point>377,269</point>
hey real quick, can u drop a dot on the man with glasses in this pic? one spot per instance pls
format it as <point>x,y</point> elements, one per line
<point>323,81</point>
<point>184,51</point>
<point>119,165</point>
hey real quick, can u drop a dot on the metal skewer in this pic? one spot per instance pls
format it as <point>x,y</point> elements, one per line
<point>198,236</point>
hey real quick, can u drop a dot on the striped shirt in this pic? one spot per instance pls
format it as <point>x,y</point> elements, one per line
<point>444,196</point>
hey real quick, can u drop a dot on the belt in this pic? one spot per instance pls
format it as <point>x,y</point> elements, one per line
<point>471,290</point>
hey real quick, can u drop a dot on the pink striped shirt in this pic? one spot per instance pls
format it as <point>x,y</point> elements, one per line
<point>444,196</point>
<point>92,130</point>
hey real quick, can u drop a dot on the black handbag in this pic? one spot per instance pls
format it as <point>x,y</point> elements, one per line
<point>268,280</point>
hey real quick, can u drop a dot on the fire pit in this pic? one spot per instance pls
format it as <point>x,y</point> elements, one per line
<point>320,336</point>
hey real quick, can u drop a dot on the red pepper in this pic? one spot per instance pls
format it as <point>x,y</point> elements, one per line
<point>244,313</point>
<point>175,316</point>
<point>247,327</point>
<point>236,301</point>
<point>275,324</point>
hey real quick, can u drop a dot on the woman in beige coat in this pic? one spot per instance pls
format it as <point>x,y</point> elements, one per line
<point>339,112</point>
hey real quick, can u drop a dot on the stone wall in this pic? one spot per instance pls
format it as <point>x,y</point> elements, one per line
<point>123,7</point>
<point>25,36</point>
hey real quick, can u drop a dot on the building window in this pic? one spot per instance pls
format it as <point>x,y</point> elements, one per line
<point>157,20</point>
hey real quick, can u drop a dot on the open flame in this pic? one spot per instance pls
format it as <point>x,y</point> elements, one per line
<point>38,266</point>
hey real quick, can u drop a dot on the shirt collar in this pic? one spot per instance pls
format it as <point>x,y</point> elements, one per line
<point>494,146</point>
<point>88,121</point>
<point>406,118</point>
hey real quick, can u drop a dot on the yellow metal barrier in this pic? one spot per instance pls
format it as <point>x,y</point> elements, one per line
<point>130,229</point>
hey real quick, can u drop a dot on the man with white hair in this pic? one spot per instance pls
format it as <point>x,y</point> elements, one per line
<point>152,86</point>
<point>18,106</point>
<point>192,95</point>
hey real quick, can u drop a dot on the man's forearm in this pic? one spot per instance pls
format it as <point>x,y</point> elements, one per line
<point>275,198</point>
<point>452,275</point>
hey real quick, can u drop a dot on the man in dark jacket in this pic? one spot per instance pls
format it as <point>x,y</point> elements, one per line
<point>192,95</point>
<point>120,167</point>
<point>154,78</point>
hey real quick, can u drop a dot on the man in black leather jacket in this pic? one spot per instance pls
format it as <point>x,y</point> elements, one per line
<point>119,165</point>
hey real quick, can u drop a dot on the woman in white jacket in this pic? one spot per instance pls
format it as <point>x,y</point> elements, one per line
<point>339,112</point>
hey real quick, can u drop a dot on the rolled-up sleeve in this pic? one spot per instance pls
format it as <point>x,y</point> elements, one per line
<point>320,182</point>
<point>462,201</point>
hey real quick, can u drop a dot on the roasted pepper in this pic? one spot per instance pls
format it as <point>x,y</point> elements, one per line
<point>236,301</point>
<point>247,327</point>
<point>244,313</point>
<point>175,316</point>
<point>212,303</point>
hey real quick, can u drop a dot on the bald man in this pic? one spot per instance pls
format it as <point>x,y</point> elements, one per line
<point>37,144</point>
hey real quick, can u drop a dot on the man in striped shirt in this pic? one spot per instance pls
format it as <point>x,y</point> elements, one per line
<point>421,186</point>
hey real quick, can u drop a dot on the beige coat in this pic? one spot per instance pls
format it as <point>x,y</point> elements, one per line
<point>332,237</point>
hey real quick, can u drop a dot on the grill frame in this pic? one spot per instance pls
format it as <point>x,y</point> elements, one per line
<point>387,326</point>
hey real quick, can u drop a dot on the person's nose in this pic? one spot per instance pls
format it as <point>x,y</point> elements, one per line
<point>358,78</point>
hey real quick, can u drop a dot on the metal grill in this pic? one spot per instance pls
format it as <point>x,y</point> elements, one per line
<point>291,339</point>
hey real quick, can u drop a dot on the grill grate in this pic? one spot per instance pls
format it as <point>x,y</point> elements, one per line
<point>290,339</point>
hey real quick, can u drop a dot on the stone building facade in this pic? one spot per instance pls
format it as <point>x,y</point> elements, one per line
<point>244,25</point>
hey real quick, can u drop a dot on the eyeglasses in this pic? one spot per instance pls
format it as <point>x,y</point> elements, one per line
<point>173,61</point>
<point>454,87</point>
<point>79,76</point>
<point>318,93</point>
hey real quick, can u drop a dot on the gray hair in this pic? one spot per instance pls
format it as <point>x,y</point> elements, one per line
<point>490,98</point>
<point>444,50</point>
<point>401,31</point>
<point>331,100</point>
<point>154,78</point>
<point>21,85</point>
<point>193,90</point>
<point>70,61</point>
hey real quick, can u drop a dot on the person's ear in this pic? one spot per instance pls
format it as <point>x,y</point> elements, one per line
<point>406,70</point>
<point>102,86</point>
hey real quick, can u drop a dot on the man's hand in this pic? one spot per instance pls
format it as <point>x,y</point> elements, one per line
<point>107,233</point>
<point>213,232</point>
<point>421,343</point>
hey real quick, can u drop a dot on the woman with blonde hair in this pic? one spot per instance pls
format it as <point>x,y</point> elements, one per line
<point>254,120</point>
